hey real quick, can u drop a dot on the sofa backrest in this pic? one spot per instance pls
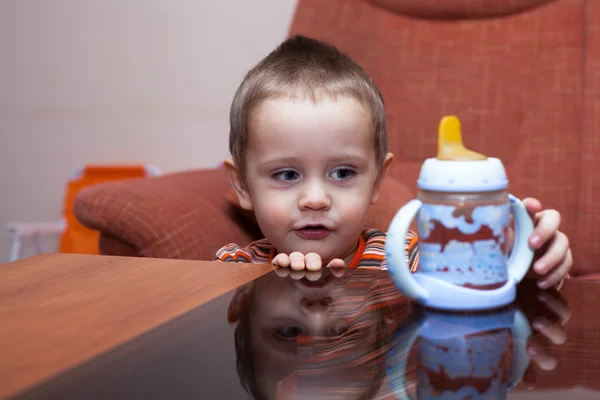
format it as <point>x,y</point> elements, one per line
<point>523,82</point>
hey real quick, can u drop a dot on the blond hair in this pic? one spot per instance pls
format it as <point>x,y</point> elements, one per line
<point>302,66</point>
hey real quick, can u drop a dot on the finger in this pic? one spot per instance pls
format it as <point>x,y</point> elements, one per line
<point>297,274</point>
<point>552,331</point>
<point>541,357</point>
<point>336,263</point>
<point>281,260</point>
<point>313,261</point>
<point>282,272</point>
<point>558,273</point>
<point>313,275</point>
<point>297,261</point>
<point>533,206</point>
<point>555,254</point>
<point>559,308</point>
<point>337,272</point>
<point>549,221</point>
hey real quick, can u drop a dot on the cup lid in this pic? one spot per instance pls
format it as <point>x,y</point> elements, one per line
<point>458,169</point>
<point>463,176</point>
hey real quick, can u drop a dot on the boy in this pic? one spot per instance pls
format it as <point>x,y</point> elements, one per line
<point>309,145</point>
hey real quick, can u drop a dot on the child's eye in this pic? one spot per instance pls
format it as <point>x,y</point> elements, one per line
<point>342,174</point>
<point>288,332</point>
<point>288,175</point>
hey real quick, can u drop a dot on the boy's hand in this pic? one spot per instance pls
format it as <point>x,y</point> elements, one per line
<point>298,261</point>
<point>553,258</point>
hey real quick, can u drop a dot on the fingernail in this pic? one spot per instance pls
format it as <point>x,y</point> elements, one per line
<point>543,284</point>
<point>535,240</point>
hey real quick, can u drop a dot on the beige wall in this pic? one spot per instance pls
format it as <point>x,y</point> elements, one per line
<point>123,81</point>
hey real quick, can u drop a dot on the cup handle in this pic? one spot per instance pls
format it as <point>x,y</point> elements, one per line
<point>395,253</point>
<point>522,255</point>
<point>520,359</point>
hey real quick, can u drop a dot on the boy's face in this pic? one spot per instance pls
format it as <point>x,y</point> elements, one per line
<point>311,173</point>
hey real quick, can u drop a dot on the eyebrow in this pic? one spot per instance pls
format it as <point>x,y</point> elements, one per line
<point>272,161</point>
<point>342,159</point>
<point>349,158</point>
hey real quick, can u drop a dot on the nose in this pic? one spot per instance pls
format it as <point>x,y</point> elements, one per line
<point>314,197</point>
<point>316,312</point>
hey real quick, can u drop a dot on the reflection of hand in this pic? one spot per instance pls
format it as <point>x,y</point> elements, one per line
<point>550,329</point>
<point>310,275</point>
<point>298,261</point>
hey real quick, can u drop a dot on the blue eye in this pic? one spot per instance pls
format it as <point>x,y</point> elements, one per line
<point>288,175</point>
<point>342,174</point>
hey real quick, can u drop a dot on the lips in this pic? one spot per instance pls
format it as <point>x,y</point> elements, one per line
<point>313,232</point>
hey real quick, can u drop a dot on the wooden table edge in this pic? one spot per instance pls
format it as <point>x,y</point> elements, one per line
<point>34,291</point>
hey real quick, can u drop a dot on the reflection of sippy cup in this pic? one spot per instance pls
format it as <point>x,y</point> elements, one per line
<point>463,212</point>
<point>460,356</point>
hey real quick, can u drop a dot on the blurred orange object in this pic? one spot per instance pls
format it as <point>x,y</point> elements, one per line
<point>75,237</point>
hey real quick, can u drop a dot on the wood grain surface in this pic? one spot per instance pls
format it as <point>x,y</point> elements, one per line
<point>58,310</point>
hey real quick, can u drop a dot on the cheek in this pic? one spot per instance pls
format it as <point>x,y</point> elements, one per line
<point>354,206</point>
<point>272,208</point>
<point>271,305</point>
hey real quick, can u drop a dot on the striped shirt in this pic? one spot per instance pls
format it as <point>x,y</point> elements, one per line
<point>370,252</point>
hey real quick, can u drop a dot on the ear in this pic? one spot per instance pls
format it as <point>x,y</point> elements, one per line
<point>384,168</point>
<point>239,303</point>
<point>238,184</point>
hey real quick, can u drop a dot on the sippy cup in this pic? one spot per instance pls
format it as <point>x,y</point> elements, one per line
<point>462,212</point>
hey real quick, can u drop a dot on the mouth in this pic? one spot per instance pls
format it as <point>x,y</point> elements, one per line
<point>313,232</point>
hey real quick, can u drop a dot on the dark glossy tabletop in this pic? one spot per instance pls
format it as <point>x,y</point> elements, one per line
<point>352,336</point>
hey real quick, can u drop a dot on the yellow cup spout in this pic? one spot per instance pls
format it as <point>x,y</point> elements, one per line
<point>450,144</point>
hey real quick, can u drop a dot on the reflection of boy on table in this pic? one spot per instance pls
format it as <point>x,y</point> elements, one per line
<point>297,338</point>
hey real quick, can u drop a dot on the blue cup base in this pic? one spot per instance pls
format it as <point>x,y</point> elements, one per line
<point>447,296</point>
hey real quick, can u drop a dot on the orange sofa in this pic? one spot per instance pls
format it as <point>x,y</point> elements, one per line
<point>523,77</point>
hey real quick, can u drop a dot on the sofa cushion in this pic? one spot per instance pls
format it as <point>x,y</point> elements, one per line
<point>182,215</point>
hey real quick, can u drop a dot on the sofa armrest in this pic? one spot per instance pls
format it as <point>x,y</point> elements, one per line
<point>182,215</point>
